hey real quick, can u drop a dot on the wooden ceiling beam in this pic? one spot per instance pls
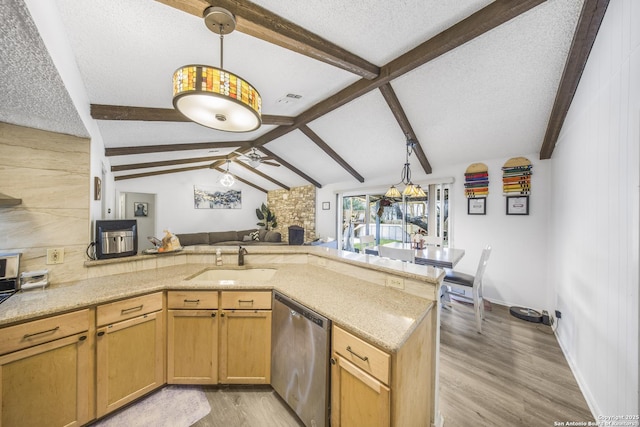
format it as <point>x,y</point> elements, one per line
<point>263,24</point>
<point>147,114</point>
<point>244,181</point>
<point>147,149</point>
<point>132,166</point>
<point>260,174</point>
<point>403,121</point>
<point>289,166</point>
<point>482,21</point>
<point>330,152</point>
<point>156,173</point>
<point>589,22</point>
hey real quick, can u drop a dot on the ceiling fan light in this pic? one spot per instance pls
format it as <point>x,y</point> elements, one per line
<point>227,180</point>
<point>216,98</point>
<point>254,163</point>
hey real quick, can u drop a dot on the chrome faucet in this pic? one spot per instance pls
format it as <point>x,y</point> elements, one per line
<point>241,253</point>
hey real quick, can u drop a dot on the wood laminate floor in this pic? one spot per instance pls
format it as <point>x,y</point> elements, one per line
<point>514,374</point>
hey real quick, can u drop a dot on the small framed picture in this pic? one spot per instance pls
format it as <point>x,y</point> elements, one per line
<point>140,209</point>
<point>477,206</point>
<point>517,205</point>
<point>326,206</point>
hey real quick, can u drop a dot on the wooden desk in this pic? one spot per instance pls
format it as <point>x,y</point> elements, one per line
<point>430,255</point>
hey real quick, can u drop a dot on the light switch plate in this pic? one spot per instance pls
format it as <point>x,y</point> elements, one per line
<point>55,256</point>
<point>395,282</point>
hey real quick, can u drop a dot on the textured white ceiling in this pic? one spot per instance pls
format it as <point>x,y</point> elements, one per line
<point>488,98</point>
<point>31,91</point>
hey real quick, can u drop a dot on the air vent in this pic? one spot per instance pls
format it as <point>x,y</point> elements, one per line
<point>290,98</point>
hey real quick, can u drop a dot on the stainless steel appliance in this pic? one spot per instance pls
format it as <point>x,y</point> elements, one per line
<point>116,238</point>
<point>9,266</point>
<point>300,360</point>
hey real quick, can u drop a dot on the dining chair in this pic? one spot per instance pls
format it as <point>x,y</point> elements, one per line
<point>433,240</point>
<point>365,241</point>
<point>397,253</point>
<point>461,281</point>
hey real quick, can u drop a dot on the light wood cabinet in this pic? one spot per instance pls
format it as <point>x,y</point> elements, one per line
<point>245,338</point>
<point>130,351</point>
<point>357,398</point>
<point>46,377</point>
<point>373,388</point>
<point>192,337</point>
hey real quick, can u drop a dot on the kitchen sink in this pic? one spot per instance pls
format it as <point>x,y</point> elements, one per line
<point>249,274</point>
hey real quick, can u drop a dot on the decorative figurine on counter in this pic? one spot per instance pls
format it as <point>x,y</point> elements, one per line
<point>417,239</point>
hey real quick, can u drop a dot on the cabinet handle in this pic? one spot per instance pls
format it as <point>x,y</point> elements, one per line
<point>191,301</point>
<point>48,331</point>
<point>131,310</point>
<point>248,301</point>
<point>82,338</point>
<point>333,361</point>
<point>221,314</point>
<point>101,333</point>
<point>364,359</point>
<point>213,315</point>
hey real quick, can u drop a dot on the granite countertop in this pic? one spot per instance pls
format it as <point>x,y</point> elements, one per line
<point>384,316</point>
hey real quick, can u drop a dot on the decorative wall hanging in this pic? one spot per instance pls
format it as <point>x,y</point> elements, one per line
<point>516,177</point>
<point>516,185</point>
<point>212,198</point>
<point>97,188</point>
<point>476,180</point>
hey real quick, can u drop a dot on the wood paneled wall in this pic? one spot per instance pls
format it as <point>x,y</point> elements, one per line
<point>50,173</point>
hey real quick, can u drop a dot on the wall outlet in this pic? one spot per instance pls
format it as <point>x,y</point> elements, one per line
<point>55,256</point>
<point>395,282</point>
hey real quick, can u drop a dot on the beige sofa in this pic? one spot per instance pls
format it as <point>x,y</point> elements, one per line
<point>228,238</point>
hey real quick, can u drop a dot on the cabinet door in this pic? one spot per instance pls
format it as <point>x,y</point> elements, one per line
<point>130,361</point>
<point>192,347</point>
<point>48,384</point>
<point>357,398</point>
<point>245,347</point>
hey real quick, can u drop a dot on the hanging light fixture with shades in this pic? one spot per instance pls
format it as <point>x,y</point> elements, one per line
<point>227,179</point>
<point>411,190</point>
<point>214,97</point>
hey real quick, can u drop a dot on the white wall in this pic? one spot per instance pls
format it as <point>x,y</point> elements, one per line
<point>174,203</point>
<point>594,218</point>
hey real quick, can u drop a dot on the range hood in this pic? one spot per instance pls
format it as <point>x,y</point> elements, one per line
<point>6,201</point>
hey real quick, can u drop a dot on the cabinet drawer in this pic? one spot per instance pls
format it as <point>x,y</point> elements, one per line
<point>192,299</point>
<point>362,354</point>
<point>249,300</point>
<point>40,331</point>
<point>132,307</point>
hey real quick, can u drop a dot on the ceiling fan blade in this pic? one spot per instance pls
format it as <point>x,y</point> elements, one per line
<point>270,163</point>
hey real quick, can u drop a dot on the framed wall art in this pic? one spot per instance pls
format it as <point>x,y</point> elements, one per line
<point>140,209</point>
<point>477,206</point>
<point>216,198</point>
<point>517,205</point>
<point>97,188</point>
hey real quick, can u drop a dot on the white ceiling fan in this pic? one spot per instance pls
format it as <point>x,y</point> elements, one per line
<point>254,159</point>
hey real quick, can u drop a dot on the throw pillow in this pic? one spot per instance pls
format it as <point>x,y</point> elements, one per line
<point>255,235</point>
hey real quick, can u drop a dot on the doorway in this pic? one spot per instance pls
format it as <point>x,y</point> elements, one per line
<point>142,208</point>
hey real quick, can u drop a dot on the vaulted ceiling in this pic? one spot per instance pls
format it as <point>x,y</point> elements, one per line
<point>468,80</point>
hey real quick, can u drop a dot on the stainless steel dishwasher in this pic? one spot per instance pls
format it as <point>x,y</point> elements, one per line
<point>300,354</point>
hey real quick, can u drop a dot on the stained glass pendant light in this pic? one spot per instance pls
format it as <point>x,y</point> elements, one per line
<point>411,190</point>
<point>214,97</point>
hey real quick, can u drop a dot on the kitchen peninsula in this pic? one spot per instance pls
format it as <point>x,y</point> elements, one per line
<point>352,290</point>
